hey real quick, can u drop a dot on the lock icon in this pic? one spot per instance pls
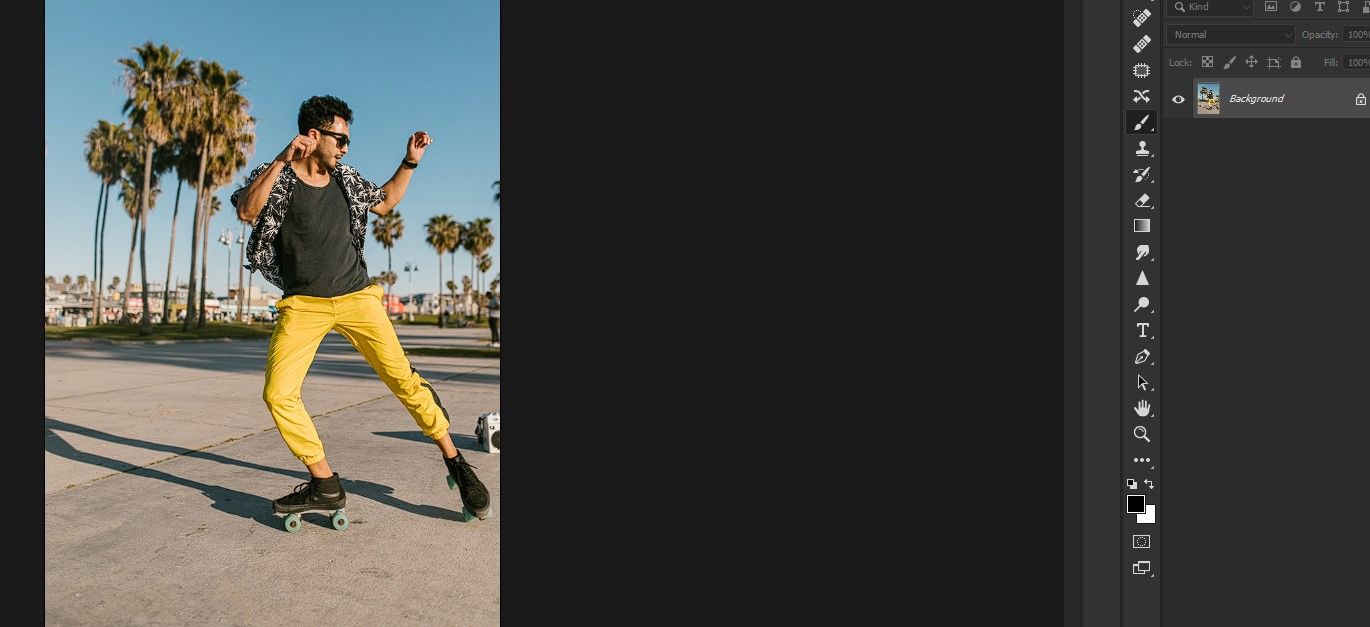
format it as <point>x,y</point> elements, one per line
<point>1360,100</point>
<point>1295,63</point>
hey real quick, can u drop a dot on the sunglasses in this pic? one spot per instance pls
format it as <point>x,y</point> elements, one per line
<point>342,139</point>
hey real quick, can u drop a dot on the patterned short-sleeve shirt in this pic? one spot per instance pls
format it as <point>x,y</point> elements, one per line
<point>361,194</point>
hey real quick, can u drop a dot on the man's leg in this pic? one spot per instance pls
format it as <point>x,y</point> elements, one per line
<point>494,329</point>
<point>303,322</point>
<point>362,320</point>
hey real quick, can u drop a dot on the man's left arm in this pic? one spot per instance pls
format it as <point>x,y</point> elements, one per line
<point>394,188</point>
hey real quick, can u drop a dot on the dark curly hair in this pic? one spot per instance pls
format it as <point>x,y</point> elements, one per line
<point>318,112</point>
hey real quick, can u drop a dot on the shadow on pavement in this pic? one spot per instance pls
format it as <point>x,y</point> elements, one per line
<point>226,500</point>
<point>459,440</point>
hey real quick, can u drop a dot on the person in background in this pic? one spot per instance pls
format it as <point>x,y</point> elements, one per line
<point>494,318</point>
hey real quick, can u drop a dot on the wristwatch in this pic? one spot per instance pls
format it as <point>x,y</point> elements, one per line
<point>409,164</point>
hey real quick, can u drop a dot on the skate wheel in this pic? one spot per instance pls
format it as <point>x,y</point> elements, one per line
<point>451,483</point>
<point>339,520</point>
<point>292,523</point>
<point>466,515</point>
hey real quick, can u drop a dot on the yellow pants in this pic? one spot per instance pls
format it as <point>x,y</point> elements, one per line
<point>302,323</point>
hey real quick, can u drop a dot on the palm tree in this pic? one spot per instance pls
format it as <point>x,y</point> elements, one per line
<point>484,266</point>
<point>186,162</point>
<point>387,229</point>
<point>213,208</point>
<point>215,111</point>
<point>440,237</point>
<point>132,199</point>
<point>151,80</point>
<point>128,194</point>
<point>104,147</point>
<point>455,233</point>
<point>468,244</point>
<point>479,240</point>
<point>219,171</point>
<point>121,150</point>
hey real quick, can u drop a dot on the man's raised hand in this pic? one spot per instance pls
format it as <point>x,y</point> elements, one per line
<point>300,147</point>
<point>418,142</point>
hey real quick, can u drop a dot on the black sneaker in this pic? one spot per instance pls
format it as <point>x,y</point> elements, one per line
<point>315,494</point>
<point>475,499</point>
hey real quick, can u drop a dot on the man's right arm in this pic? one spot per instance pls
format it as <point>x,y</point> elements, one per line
<point>254,198</point>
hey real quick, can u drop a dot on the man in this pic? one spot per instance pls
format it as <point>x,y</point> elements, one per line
<point>493,306</point>
<point>308,216</point>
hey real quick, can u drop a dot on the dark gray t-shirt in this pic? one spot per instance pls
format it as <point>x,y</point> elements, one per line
<point>315,248</point>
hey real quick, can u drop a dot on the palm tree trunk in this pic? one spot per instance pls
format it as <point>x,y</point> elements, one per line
<point>387,279</point>
<point>242,295</point>
<point>192,285</point>
<point>132,246</point>
<point>204,263</point>
<point>440,288</point>
<point>95,255</point>
<point>104,218</point>
<point>146,327</point>
<point>191,298</point>
<point>166,302</point>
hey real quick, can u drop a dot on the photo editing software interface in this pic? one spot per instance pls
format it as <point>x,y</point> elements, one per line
<point>1245,184</point>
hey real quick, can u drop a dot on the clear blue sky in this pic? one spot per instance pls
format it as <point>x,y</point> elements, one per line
<point>402,67</point>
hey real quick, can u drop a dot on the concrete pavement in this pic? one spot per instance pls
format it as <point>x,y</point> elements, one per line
<point>161,463</point>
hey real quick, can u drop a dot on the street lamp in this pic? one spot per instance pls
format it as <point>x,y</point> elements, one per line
<point>241,295</point>
<point>410,268</point>
<point>226,238</point>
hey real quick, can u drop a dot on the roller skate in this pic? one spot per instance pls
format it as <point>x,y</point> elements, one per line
<point>315,495</point>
